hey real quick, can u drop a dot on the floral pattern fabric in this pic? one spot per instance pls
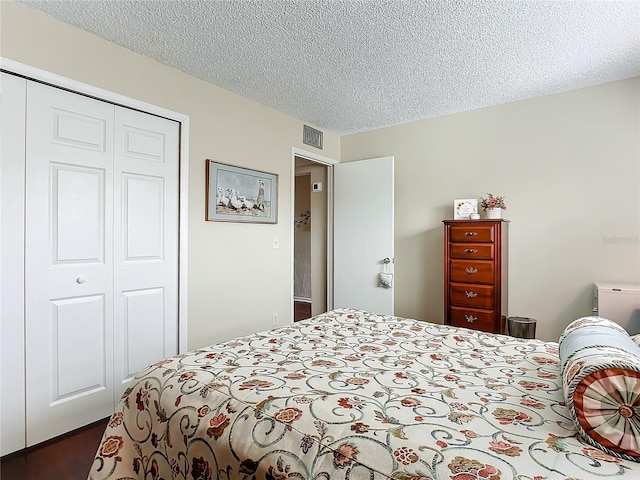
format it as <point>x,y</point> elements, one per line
<point>351,395</point>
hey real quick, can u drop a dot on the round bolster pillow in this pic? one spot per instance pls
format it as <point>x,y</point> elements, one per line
<point>601,381</point>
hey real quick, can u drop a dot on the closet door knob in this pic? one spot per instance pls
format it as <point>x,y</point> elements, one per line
<point>80,280</point>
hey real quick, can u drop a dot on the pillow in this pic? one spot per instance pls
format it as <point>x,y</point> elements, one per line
<point>636,338</point>
<point>601,382</point>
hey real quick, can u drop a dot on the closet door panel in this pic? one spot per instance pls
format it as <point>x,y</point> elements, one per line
<point>69,261</point>
<point>77,214</point>
<point>146,166</point>
<point>80,316</point>
<point>12,397</point>
<point>143,222</point>
<point>142,308</point>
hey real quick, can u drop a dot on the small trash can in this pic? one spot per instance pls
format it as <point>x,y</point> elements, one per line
<point>521,327</point>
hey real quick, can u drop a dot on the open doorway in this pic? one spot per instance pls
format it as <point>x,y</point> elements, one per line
<point>311,208</point>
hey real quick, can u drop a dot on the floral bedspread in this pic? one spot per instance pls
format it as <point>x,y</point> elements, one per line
<point>350,395</point>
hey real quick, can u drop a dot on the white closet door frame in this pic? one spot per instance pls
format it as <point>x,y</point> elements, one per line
<point>329,163</point>
<point>37,74</point>
<point>12,178</point>
<point>16,249</point>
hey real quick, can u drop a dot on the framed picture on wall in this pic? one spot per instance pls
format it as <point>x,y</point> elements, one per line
<point>237,194</point>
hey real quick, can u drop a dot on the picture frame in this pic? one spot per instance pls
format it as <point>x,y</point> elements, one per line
<point>464,207</point>
<point>238,194</point>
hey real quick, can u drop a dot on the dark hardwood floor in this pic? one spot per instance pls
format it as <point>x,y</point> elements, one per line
<point>68,457</point>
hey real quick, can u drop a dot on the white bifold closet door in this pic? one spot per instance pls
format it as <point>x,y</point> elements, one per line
<point>101,254</point>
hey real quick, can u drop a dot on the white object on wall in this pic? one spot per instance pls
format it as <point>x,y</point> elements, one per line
<point>619,302</point>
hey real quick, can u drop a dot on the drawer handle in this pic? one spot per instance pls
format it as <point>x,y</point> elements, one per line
<point>471,234</point>
<point>470,318</point>
<point>471,294</point>
<point>470,250</point>
<point>471,270</point>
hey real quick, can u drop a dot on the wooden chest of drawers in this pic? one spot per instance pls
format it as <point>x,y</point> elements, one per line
<point>475,274</point>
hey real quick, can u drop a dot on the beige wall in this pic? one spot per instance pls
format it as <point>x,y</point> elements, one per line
<point>569,166</point>
<point>236,279</point>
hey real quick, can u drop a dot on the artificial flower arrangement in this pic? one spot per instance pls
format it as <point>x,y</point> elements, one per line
<point>492,202</point>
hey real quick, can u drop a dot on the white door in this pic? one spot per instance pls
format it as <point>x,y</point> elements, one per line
<point>101,231</point>
<point>69,261</point>
<point>363,234</point>
<point>146,245</point>
<point>12,113</point>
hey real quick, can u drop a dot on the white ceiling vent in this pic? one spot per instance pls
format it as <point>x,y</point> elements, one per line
<point>311,136</point>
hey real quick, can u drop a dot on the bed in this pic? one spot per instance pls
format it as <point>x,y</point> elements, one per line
<point>353,395</point>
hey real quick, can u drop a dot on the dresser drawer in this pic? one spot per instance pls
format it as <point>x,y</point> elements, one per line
<point>482,251</point>
<point>470,295</point>
<point>472,318</point>
<point>472,271</point>
<point>471,233</point>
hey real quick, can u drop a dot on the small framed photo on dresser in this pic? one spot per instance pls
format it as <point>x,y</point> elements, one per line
<point>464,207</point>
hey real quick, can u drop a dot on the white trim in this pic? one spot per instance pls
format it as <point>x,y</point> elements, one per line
<point>11,66</point>
<point>183,239</point>
<point>330,214</point>
<point>298,152</point>
<point>329,162</point>
<point>12,208</point>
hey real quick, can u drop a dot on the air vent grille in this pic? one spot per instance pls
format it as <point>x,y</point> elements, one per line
<point>311,136</point>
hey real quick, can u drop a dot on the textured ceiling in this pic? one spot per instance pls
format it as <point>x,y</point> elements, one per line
<point>351,66</point>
